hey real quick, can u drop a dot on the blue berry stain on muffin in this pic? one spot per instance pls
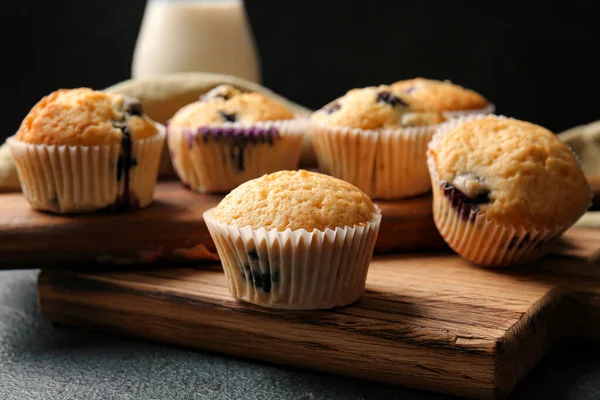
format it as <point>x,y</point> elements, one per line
<point>441,95</point>
<point>389,98</point>
<point>332,108</point>
<point>520,184</point>
<point>128,199</point>
<point>376,107</point>
<point>207,120</point>
<point>133,107</point>
<point>466,193</point>
<point>228,117</point>
<point>237,138</point>
<point>190,138</point>
<point>280,272</point>
<point>252,272</point>
<point>86,118</point>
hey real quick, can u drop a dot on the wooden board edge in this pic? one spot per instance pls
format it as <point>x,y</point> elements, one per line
<point>73,312</point>
<point>549,322</point>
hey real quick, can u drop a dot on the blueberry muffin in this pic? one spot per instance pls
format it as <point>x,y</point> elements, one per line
<point>376,138</point>
<point>228,137</point>
<point>504,189</point>
<point>445,97</point>
<point>295,239</point>
<point>80,150</point>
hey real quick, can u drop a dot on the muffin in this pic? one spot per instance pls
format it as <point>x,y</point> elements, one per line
<point>376,138</point>
<point>503,190</point>
<point>228,137</point>
<point>296,240</point>
<point>445,97</point>
<point>80,150</point>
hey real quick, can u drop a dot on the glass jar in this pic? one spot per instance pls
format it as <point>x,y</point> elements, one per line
<point>195,35</point>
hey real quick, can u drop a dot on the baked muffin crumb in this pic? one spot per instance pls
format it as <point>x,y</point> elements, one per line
<point>379,107</point>
<point>441,95</point>
<point>84,117</point>
<point>517,173</point>
<point>225,104</point>
<point>295,200</point>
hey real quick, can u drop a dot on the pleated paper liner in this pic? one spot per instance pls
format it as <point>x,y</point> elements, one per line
<point>486,242</point>
<point>295,269</point>
<point>209,165</point>
<point>76,179</point>
<point>475,237</point>
<point>385,164</point>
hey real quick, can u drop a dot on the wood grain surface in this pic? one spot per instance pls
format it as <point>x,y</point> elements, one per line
<point>433,322</point>
<point>170,231</point>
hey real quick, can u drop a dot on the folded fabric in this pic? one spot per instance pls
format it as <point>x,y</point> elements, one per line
<point>9,181</point>
<point>585,141</point>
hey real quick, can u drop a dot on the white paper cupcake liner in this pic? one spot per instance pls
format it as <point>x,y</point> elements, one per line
<point>208,166</point>
<point>75,179</point>
<point>295,269</point>
<point>490,108</point>
<point>385,164</point>
<point>477,238</point>
<point>486,242</point>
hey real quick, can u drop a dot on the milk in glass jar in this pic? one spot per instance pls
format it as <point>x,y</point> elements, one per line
<point>195,35</point>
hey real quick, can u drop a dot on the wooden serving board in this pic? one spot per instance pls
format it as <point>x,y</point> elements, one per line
<point>434,322</point>
<point>170,231</point>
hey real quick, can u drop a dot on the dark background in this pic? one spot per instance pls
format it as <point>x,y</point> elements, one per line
<point>536,61</point>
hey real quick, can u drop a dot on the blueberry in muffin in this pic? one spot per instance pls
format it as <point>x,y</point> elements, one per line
<point>228,137</point>
<point>376,138</point>
<point>445,96</point>
<point>80,150</point>
<point>295,239</point>
<point>504,189</point>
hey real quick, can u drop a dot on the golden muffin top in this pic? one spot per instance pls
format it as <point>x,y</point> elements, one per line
<point>376,107</point>
<point>521,173</point>
<point>228,104</point>
<point>295,200</point>
<point>84,117</point>
<point>441,95</point>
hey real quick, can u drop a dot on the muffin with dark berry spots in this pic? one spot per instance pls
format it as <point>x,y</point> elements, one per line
<point>295,239</point>
<point>80,150</point>
<point>504,190</point>
<point>376,138</point>
<point>228,137</point>
<point>445,97</point>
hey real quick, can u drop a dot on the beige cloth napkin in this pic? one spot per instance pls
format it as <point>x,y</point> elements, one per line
<point>585,141</point>
<point>9,181</point>
<point>162,96</point>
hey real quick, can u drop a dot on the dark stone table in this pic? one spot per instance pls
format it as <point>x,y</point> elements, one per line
<point>41,361</point>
